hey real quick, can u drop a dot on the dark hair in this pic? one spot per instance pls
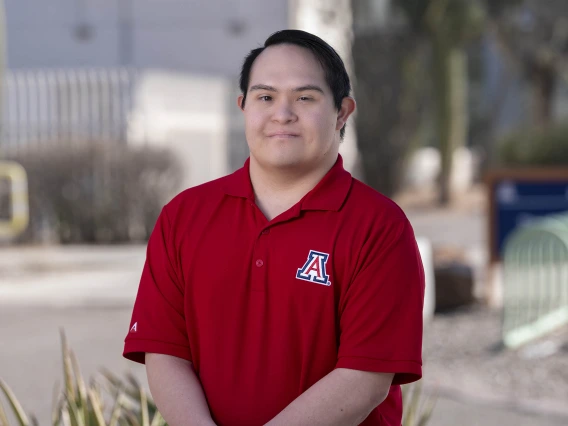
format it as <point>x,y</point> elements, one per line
<point>335,73</point>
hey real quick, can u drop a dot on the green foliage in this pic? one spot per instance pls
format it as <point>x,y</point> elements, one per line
<point>415,11</point>
<point>535,147</point>
<point>458,20</point>
<point>497,7</point>
<point>80,404</point>
<point>417,408</point>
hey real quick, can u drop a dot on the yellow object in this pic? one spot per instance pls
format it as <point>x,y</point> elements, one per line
<point>19,221</point>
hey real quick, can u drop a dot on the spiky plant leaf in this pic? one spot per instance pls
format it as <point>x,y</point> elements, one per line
<point>74,415</point>
<point>144,408</point>
<point>427,411</point>
<point>97,409</point>
<point>158,420</point>
<point>57,405</point>
<point>133,381</point>
<point>116,410</point>
<point>131,419</point>
<point>15,404</point>
<point>111,377</point>
<point>3,415</point>
<point>79,381</point>
<point>67,368</point>
<point>65,417</point>
<point>416,412</point>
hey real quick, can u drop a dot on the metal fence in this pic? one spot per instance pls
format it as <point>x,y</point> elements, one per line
<point>50,106</point>
<point>535,280</point>
<point>69,130</point>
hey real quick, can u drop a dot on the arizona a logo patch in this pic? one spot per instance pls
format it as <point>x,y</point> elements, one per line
<point>314,269</point>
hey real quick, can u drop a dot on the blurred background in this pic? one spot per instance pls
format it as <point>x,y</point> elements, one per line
<point>109,108</point>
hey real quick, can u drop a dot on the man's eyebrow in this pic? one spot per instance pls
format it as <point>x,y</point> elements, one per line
<point>308,87</point>
<point>297,89</point>
<point>262,87</point>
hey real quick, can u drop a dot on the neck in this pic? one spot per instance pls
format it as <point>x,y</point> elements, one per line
<point>278,190</point>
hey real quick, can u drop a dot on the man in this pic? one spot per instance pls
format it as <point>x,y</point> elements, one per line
<point>287,293</point>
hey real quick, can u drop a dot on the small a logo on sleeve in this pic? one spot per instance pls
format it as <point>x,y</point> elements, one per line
<point>314,269</point>
<point>134,328</point>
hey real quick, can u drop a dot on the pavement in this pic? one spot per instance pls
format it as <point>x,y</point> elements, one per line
<point>89,291</point>
<point>70,275</point>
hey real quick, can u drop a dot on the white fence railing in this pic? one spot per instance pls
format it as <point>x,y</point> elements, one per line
<point>65,105</point>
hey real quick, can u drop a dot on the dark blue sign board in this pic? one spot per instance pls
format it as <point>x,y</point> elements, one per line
<point>520,196</point>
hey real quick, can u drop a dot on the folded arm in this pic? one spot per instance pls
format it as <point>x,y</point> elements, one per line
<point>177,391</point>
<point>344,397</point>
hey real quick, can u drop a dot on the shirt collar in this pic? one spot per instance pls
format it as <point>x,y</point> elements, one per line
<point>329,194</point>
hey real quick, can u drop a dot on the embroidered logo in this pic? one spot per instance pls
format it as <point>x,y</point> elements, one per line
<point>314,269</point>
<point>134,328</point>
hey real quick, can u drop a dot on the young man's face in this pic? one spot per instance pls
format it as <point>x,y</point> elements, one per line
<point>290,118</point>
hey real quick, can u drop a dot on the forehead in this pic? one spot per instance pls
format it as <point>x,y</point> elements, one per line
<point>287,64</point>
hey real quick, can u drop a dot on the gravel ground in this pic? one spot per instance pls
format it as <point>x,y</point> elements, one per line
<point>462,354</point>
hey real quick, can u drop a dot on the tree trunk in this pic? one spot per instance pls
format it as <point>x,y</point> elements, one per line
<point>3,32</point>
<point>332,20</point>
<point>544,86</point>
<point>391,104</point>
<point>450,75</point>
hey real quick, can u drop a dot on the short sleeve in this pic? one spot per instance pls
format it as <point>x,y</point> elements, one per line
<point>381,314</point>
<point>158,320</point>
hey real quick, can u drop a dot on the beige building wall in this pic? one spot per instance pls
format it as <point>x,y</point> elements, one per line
<point>188,115</point>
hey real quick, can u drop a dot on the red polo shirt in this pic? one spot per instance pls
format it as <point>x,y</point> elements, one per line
<point>264,309</point>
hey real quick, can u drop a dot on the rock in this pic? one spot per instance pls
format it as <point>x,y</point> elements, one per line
<point>454,285</point>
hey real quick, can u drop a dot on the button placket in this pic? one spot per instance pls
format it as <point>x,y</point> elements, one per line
<point>259,265</point>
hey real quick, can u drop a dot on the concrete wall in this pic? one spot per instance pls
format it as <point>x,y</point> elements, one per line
<point>184,35</point>
<point>187,54</point>
<point>187,114</point>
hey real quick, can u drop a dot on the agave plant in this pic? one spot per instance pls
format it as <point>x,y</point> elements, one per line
<point>417,408</point>
<point>105,401</point>
<point>19,413</point>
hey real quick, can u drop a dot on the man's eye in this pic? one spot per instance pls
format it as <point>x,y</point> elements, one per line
<point>265,98</point>
<point>305,98</point>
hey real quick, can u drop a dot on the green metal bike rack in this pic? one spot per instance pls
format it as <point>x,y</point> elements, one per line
<point>535,297</point>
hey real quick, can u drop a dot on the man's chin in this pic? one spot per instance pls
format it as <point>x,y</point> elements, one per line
<point>285,163</point>
<point>281,160</point>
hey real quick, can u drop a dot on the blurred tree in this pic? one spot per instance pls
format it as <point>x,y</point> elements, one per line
<point>448,25</point>
<point>533,37</point>
<point>391,99</point>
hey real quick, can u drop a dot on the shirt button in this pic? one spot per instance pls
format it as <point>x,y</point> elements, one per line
<point>259,263</point>
<point>266,231</point>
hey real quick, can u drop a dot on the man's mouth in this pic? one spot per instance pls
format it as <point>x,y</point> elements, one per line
<point>283,135</point>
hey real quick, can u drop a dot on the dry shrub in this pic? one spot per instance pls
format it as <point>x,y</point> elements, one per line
<point>97,193</point>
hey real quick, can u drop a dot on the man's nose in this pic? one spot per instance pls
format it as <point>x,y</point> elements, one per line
<point>283,112</point>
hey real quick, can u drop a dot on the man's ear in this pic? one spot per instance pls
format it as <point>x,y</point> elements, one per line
<point>240,100</point>
<point>348,105</point>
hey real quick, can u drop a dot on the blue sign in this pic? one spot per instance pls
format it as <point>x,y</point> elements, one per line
<point>518,202</point>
